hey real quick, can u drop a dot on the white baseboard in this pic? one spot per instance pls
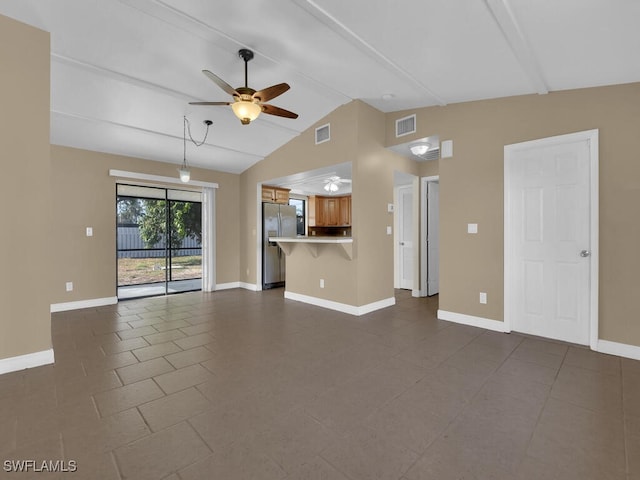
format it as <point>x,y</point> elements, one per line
<point>481,322</point>
<point>30,360</point>
<point>340,307</point>
<point>619,349</point>
<point>95,302</point>
<point>248,286</point>
<point>372,307</point>
<point>227,286</point>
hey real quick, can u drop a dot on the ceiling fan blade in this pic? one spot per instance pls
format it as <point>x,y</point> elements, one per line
<point>221,83</point>
<point>209,103</point>
<point>280,112</point>
<point>273,91</point>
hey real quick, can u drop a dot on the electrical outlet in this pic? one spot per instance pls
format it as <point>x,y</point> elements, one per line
<point>322,283</point>
<point>472,228</point>
<point>483,297</point>
<point>69,286</point>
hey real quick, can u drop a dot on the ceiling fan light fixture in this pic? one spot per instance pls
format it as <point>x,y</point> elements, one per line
<point>331,187</point>
<point>246,110</point>
<point>419,148</point>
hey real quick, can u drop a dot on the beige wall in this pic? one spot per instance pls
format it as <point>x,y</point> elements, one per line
<point>471,190</point>
<point>25,322</point>
<point>357,135</point>
<point>299,155</point>
<point>373,185</point>
<point>83,195</point>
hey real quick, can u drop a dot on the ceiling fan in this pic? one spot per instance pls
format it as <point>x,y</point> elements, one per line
<point>333,183</point>
<point>248,103</point>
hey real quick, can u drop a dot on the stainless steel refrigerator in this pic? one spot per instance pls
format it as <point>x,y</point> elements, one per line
<point>277,221</point>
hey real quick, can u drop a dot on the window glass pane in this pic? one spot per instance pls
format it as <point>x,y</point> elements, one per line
<point>300,214</point>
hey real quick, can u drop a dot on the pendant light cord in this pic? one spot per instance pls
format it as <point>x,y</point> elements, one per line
<point>184,142</point>
<point>187,126</point>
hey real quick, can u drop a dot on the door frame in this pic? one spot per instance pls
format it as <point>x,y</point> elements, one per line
<point>424,254</point>
<point>591,136</point>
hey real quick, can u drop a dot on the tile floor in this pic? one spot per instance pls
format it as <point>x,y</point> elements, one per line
<point>245,385</point>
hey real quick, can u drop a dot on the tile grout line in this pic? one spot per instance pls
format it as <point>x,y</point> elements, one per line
<point>548,396</point>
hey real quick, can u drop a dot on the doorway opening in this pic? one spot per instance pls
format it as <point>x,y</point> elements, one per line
<point>430,236</point>
<point>159,241</point>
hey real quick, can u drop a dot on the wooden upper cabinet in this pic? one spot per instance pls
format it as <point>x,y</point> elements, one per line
<point>281,195</point>
<point>275,194</point>
<point>331,211</point>
<point>268,194</point>
<point>345,211</point>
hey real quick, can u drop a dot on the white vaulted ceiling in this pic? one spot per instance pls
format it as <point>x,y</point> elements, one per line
<point>123,71</point>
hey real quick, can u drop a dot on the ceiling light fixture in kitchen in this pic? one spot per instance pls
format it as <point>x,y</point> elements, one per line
<point>331,187</point>
<point>333,183</point>
<point>185,173</point>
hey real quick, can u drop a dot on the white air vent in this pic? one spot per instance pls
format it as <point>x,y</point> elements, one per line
<point>433,154</point>
<point>323,134</point>
<point>406,125</point>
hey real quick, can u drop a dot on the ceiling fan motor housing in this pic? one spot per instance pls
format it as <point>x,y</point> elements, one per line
<point>245,54</point>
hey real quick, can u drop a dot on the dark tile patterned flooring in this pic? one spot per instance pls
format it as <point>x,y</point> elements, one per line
<point>245,385</point>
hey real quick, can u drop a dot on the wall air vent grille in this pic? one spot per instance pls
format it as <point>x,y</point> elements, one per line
<point>406,125</point>
<point>323,134</point>
<point>433,154</point>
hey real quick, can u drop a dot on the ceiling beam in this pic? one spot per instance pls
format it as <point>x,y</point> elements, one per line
<point>138,82</point>
<point>191,25</point>
<point>86,118</point>
<point>503,16</point>
<point>337,26</point>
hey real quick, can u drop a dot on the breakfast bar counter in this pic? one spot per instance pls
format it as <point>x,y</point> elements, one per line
<point>312,243</point>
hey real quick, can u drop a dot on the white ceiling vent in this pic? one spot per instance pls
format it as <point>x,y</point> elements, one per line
<point>323,134</point>
<point>406,125</point>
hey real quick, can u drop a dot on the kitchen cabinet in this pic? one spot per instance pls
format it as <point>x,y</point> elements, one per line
<point>345,211</point>
<point>332,211</point>
<point>275,194</point>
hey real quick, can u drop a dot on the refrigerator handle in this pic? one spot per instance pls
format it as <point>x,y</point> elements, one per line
<point>279,232</point>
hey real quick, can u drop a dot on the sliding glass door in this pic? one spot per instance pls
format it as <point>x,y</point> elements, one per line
<point>159,241</point>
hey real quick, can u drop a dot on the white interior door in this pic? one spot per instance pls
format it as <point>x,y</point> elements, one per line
<point>548,238</point>
<point>433,238</point>
<point>405,236</point>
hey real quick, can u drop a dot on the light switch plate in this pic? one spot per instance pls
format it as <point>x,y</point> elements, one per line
<point>69,286</point>
<point>89,231</point>
<point>389,231</point>
<point>390,207</point>
<point>472,228</point>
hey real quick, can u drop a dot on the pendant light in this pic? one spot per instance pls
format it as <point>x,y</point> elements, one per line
<point>185,173</point>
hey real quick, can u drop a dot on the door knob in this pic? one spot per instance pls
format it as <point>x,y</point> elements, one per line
<point>585,253</point>
<point>401,243</point>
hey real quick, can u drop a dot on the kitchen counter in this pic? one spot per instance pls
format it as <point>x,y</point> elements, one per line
<point>312,243</point>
